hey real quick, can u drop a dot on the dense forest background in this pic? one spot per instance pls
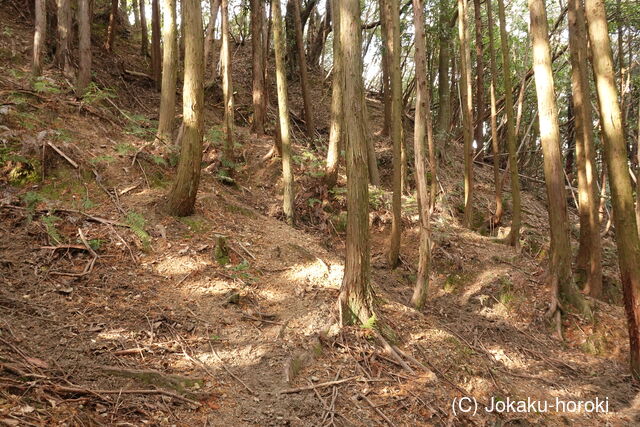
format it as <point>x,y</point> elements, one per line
<point>318,212</point>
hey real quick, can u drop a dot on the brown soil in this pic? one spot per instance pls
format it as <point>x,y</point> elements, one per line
<point>158,332</point>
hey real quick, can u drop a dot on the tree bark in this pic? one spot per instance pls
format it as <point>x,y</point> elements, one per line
<point>39,37</point>
<point>227,83</point>
<point>560,276</point>
<point>513,238</point>
<point>144,43</point>
<point>304,78</point>
<point>316,48</point>
<point>422,129</point>
<point>283,113</point>
<point>356,296</point>
<point>182,196</point>
<point>479,101</point>
<point>337,117</point>
<point>467,110</point>
<point>495,144</point>
<point>63,55</point>
<point>444,100</point>
<point>257,43</point>
<point>111,28</point>
<point>209,38</point>
<point>589,259</point>
<point>392,18</point>
<point>84,47</point>
<point>169,74</point>
<point>386,84</point>
<point>615,154</point>
<point>156,55</point>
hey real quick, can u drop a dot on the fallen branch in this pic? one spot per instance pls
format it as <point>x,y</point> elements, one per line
<point>87,268</point>
<point>375,408</point>
<point>80,390</point>
<point>62,154</point>
<point>315,386</point>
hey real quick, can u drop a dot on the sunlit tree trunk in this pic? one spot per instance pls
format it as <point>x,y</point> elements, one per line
<point>467,110</point>
<point>392,49</point>
<point>84,47</point>
<point>356,296</point>
<point>513,238</point>
<point>156,55</point>
<point>169,73</point>
<point>144,45</point>
<point>335,130</point>
<point>422,130</point>
<point>495,144</point>
<point>283,112</point>
<point>182,196</point>
<point>615,154</point>
<point>559,275</point>
<point>39,37</point>
<point>227,83</point>
<point>444,100</point>
<point>111,28</point>
<point>589,259</point>
<point>257,43</point>
<point>386,84</point>
<point>304,78</point>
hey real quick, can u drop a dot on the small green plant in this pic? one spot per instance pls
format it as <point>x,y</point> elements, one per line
<point>313,201</point>
<point>49,225</point>
<point>137,224</point>
<point>19,169</point>
<point>158,160</point>
<point>370,323</point>
<point>241,267</point>
<point>214,135</point>
<point>506,292</point>
<point>124,148</point>
<point>95,95</point>
<point>102,159</point>
<point>44,85</point>
<point>95,244</point>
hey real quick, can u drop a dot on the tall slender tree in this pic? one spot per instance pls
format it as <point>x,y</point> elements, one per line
<point>356,296</point>
<point>589,259</point>
<point>467,109</point>
<point>495,144</point>
<point>39,36</point>
<point>182,197</point>
<point>156,55</point>
<point>144,35</point>
<point>304,77</point>
<point>513,238</point>
<point>169,73</point>
<point>111,28</point>
<point>84,47</point>
<point>257,43</point>
<point>559,275</point>
<point>209,34</point>
<point>478,133</point>
<point>63,55</point>
<point>392,50</point>
<point>283,112</point>
<point>422,131</point>
<point>227,83</point>
<point>615,155</point>
<point>337,117</point>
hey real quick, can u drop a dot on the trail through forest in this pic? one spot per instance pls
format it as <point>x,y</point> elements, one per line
<point>114,313</point>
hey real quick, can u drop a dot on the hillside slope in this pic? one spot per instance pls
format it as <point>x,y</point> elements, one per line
<point>114,313</point>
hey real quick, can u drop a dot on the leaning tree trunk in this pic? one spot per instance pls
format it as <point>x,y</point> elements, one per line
<point>111,28</point>
<point>337,117</point>
<point>283,112</point>
<point>560,276</point>
<point>356,296</point>
<point>467,110</point>
<point>156,61</point>
<point>257,43</point>
<point>182,196</point>
<point>84,47</point>
<point>144,45</point>
<point>392,49</point>
<point>422,129</point>
<point>615,154</point>
<point>304,78</point>
<point>495,144</point>
<point>39,36</point>
<point>589,259</point>
<point>227,83</point>
<point>169,74</point>
<point>513,238</point>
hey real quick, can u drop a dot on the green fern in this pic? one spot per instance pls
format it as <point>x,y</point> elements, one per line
<point>49,225</point>
<point>137,224</point>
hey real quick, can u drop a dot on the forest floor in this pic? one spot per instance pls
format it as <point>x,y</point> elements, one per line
<point>114,313</point>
